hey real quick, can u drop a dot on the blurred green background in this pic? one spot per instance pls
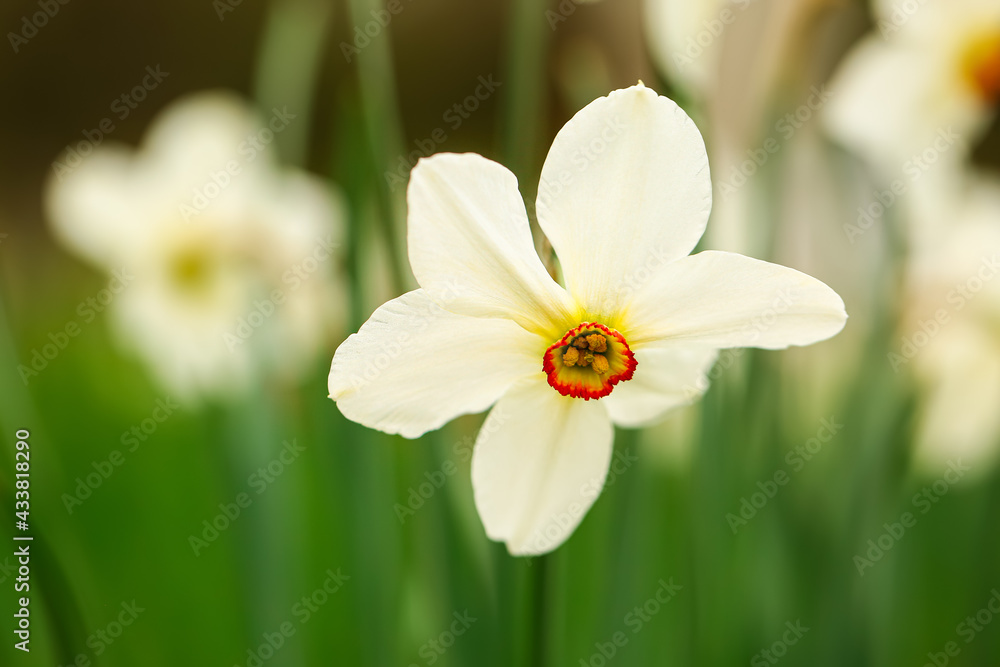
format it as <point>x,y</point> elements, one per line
<point>425,586</point>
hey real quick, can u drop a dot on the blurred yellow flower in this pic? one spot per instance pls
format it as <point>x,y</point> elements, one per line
<point>625,195</point>
<point>233,259</point>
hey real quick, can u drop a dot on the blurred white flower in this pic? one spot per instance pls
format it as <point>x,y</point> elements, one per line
<point>951,336</point>
<point>730,58</point>
<point>625,195</point>
<point>927,68</point>
<point>233,259</point>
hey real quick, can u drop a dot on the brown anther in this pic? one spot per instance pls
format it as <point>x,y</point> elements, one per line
<point>580,342</point>
<point>597,343</point>
<point>571,356</point>
<point>600,364</point>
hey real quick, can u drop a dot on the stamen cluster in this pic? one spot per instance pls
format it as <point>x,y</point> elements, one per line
<point>587,350</point>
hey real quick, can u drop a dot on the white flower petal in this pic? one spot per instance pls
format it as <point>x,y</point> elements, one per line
<point>184,341</point>
<point>300,220</point>
<point>470,244</point>
<point>625,188</point>
<point>721,299</point>
<point>933,22</point>
<point>665,378</point>
<point>197,161</point>
<point>539,464</point>
<point>302,211</point>
<point>960,374</point>
<point>96,206</point>
<point>414,366</point>
<point>201,132</point>
<point>892,100</point>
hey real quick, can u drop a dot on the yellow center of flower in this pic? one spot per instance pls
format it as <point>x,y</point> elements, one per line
<point>588,361</point>
<point>981,66</point>
<point>191,268</point>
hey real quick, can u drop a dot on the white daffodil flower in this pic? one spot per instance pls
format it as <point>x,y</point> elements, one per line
<point>624,197</point>
<point>929,74</point>
<point>951,336</point>
<point>231,261</point>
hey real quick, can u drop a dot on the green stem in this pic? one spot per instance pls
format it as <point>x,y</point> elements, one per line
<point>271,532</point>
<point>524,106</point>
<point>384,132</point>
<point>288,66</point>
<point>523,111</point>
<point>17,411</point>
<point>540,601</point>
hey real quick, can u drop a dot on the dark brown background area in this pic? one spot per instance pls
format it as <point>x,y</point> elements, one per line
<point>65,78</point>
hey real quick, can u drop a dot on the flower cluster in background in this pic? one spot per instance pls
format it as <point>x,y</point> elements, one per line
<point>914,99</point>
<point>911,100</point>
